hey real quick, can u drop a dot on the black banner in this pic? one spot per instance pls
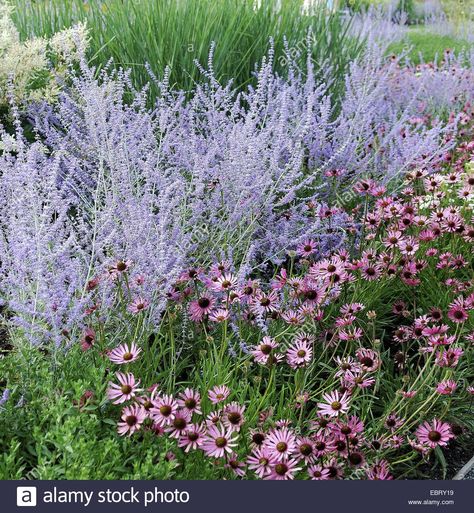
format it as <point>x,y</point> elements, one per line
<point>236,496</point>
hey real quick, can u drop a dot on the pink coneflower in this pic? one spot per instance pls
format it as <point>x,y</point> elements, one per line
<point>138,305</point>
<point>120,267</point>
<point>368,359</point>
<point>347,364</point>
<point>356,458</point>
<point>224,283</point>
<point>164,410</point>
<point>434,434</point>
<point>323,444</point>
<point>371,271</point>
<point>263,303</point>
<point>283,470</point>
<point>300,352</point>
<point>352,426</point>
<point>193,437</point>
<point>262,351</point>
<point>233,417</point>
<point>447,387</point>
<point>125,390</point>
<point>393,422</point>
<point>190,400</point>
<point>261,460</point>
<point>214,418</point>
<point>318,473</point>
<point>201,307</point>
<point>335,404</point>
<point>379,472</point>
<point>449,357</point>
<point>304,449</point>
<point>220,315</point>
<point>351,308</point>
<point>132,418</point>
<point>88,339</point>
<point>218,441</point>
<point>333,468</point>
<point>352,379</point>
<point>124,353</point>
<point>179,424</point>
<point>306,248</point>
<point>350,334</point>
<point>281,443</point>
<point>457,313</point>
<point>408,394</point>
<point>235,465</point>
<point>218,394</point>
<point>293,317</point>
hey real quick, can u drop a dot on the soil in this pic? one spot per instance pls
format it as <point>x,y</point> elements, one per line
<point>457,454</point>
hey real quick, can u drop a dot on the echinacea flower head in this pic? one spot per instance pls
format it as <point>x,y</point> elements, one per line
<point>164,410</point>
<point>447,387</point>
<point>233,417</point>
<point>125,390</point>
<point>368,359</point>
<point>260,461</point>
<point>264,349</point>
<point>220,315</point>
<point>138,305</point>
<point>193,437</point>
<point>124,353</point>
<point>237,467</point>
<point>179,424</point>
<point>88,339</point>
<point>219,441</point>
<point>131,420</point>
<point>379,472</point>
<point>335,404</point>
<point>281,442</point>
<point>201,307</point>
<point>283,470</point>
<point>218,394</point>
<point>437,433</point>
<point>318,473</point>
<point>190,400</point>
<point>306,248</point>
<point>299,353</point>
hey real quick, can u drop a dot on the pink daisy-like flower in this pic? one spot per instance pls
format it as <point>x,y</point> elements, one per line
<point>224,283</point>
<point>238,467</point>
<point>318,473</point>
<point>201,307</point>
<point>335,404</point>
<point>88,339</point>
<point>449,357</point>
<point>193,438</point>
<point>124,353</point>
<point>368,359</point>
<point>132,418</point>
<point>190,400</point>
<point>262,351</point>
<point>179,424</point>
<point>233,417</point>
<point>304,449</point>
<point>164,410</point>
<point>218,441</point>
<point>447,387</point>
<point>283,470</point>
<point>263,303</point>
<point>138,305</point>
<point>218,394</point>
<point>220,315</point>
<point>281,443</point>
<point>261,460</point>
<point>214,418</point>
<point>306,248</point>
<point>434,434</point>
<point>300,352</point>
<point>125,390</point>
<point>379,472</point>
<point>457,313</point>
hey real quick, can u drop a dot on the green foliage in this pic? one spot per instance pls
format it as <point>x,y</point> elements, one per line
<point>175,33</point>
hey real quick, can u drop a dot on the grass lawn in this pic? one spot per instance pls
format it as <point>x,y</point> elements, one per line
<point>422,44</point>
